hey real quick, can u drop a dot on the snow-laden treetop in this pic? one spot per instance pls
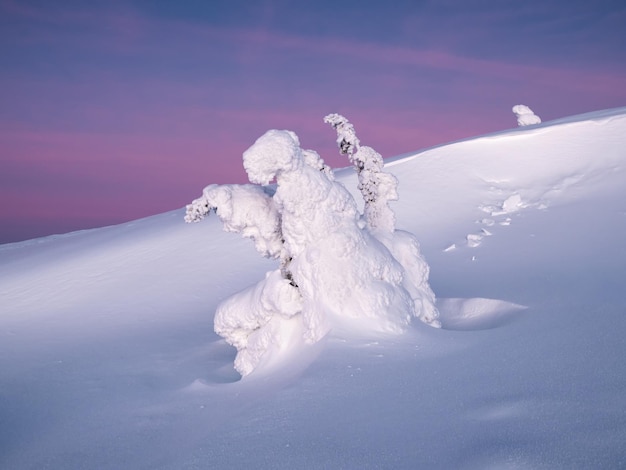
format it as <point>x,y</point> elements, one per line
<point>525,115</point>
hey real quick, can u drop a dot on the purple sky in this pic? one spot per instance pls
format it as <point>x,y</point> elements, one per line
<point>115,110</point>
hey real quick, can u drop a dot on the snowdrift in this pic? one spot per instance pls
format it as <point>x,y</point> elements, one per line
<point>108,358</point>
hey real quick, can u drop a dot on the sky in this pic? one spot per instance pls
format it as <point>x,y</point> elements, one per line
<point>116,110</point>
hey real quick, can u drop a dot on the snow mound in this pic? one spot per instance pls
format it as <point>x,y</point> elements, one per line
<point>476,313</point>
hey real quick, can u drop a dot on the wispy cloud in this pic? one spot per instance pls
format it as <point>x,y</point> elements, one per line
<point>129,31</point>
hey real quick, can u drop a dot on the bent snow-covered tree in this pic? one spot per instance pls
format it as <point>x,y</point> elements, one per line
<point>334,273</point>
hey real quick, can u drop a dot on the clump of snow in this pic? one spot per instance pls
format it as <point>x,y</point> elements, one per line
<point>474,239</point>
<point>525,115</point>
<point>335,271</point>
<point>512,204</point>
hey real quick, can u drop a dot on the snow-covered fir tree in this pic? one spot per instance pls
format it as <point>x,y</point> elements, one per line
<point>334,273</point>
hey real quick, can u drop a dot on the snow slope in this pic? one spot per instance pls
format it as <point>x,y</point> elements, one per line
<point>108,358</point>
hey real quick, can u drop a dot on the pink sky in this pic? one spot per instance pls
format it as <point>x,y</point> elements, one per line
<point>120,110</point>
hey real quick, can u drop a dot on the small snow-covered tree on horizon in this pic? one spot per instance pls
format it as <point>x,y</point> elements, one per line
<point>525,116</point>
<point>333,273</point>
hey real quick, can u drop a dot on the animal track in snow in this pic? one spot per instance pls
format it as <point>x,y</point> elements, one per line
<point>475,239</point>
<point>511,204</point>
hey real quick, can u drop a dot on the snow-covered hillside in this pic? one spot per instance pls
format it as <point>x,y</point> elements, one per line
<point>108,358</point>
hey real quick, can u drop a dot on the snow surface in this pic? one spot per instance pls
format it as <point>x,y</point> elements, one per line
<point>108,357</point>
